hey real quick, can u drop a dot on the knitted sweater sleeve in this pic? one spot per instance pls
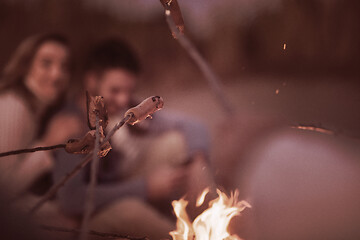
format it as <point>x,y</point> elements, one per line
<point>17,130</point>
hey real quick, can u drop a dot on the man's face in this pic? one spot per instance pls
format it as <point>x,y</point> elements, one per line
<point>117,87</point>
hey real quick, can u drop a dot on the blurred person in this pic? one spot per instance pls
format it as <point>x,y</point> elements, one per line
<point>304,185</point>
<point>150,163</point>
<point>31,86</point>
<point>301,183</point>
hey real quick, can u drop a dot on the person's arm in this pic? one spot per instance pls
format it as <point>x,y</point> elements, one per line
<point>72,196</point>
<point>17,130</point>
<point>195,133</point>
<point>16,125</point>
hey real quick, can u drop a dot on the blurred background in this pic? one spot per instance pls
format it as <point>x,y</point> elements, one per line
<point>313,79</point>
<point>281,62</point>
<point>284,61</point>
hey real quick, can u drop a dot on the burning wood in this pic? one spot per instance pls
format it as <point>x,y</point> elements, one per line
<point>211,224</point>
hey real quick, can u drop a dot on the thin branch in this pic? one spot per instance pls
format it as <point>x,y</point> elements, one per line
<point>53,190</point>
<point>314,129</point>
<point>117,127</point>
<point>204,67</point>
<point>91,232</point>
<point>30,150</point>
<point>89,204</point>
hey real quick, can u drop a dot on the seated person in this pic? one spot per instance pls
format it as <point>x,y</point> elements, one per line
<point>32,85</point>
<point>150,164</point>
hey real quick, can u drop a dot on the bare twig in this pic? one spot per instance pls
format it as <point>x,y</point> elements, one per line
<point>89,204</point>
<point>117,127</point>
<point>204,67</point>
<point>53,190</point>
<point>30,150</point>
<point>91,232</point>
<point>314,129</point>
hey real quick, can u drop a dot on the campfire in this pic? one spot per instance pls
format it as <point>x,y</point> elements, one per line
<point>213,222</point>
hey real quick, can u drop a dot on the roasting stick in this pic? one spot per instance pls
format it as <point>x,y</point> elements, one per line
<point>138,113</point>
<point>145,109</point>
<point>204,67</point>
<point>213,81</point>
<point>89,203</point>
<point>31,150</point>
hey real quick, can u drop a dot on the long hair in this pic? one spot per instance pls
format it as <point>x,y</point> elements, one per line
<point>17,68</point>
<point>15,72</point>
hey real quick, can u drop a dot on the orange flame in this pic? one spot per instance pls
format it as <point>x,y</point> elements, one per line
<point>211,224</point>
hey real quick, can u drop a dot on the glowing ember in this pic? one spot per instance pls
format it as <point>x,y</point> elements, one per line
<point>211,224</point>
<point>284,46</point>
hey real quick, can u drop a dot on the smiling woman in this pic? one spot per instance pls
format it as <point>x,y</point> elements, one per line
<point>33,81</point>
<point>48,75</point>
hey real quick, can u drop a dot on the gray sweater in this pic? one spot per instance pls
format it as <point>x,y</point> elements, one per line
<point>17,129</point>
<point>111,184</point>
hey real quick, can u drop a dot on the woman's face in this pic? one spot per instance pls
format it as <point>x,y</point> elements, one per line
<point>48,75</point>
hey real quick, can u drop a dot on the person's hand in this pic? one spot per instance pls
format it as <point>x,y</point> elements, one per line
<point>165,181</point>
<point>61,128</point>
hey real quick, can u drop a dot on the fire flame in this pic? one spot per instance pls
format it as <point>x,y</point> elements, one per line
<point>211,224</point>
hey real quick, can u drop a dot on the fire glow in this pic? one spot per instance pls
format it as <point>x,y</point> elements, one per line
<point>212,223</point>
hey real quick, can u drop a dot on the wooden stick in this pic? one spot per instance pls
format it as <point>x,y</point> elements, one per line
<point>204,67</point>
<point>89,203</point>
<point>91,232</point>
<point>30,150</point>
